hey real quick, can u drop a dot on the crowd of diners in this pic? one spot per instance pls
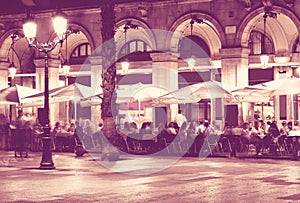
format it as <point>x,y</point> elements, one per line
<point>266,137</point>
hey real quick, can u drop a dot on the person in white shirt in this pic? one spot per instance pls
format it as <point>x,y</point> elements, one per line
<point>257,135</point>
<point>200,128</point>
<point>180,118</point>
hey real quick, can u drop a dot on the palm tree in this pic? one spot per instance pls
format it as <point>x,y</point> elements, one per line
<point>108,53</point>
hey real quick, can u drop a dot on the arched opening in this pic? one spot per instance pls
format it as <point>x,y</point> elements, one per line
<point>259,43</point>
<point>193,46</point>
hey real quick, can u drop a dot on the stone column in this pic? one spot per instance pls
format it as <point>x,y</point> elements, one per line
<point>235,72</point>
<point>96,82</point>
<point>4,73</point>
<point>284,104</point>
<point>165,74</point>
<point>53,65</point>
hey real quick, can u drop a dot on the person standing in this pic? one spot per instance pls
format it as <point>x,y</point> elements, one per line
<point>180,118</point>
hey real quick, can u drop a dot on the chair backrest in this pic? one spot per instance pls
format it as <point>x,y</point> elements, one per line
<point>236,131</point>
<point>131,143</point>
<point>169,137</point>
<point>281,140</point>
<point>266,141</point>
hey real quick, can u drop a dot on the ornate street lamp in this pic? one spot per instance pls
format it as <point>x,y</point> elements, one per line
<point>264,58</point>
<point>30,29</point>
<point>125,63</point>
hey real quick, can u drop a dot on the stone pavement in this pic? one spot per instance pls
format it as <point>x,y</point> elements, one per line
<point>148,179</point>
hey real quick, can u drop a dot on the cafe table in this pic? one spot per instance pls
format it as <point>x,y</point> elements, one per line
<point>64,140</point>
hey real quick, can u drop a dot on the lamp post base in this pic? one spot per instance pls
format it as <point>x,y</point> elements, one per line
<point>47,162</point>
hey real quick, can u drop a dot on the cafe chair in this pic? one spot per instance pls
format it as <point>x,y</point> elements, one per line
<point>280,146</point>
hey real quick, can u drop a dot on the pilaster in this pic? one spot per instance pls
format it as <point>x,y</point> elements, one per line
<point>235,72</point>
<point>165,74</point>
<point>96,82</point>
<point>4,73</point>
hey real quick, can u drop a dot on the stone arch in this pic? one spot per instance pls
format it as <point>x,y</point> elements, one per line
<point>211,32</point>
<point>281,30</point>
<point>74,40</point>
<point>22,52</point>
<point>6,43</point>
<point>143,33</point>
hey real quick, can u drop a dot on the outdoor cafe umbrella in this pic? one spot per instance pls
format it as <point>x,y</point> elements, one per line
<point>91,96</point>
<point>138,92</point>
<point>195,92</point>
<point>284,86</point>
<point>16,94</point>
<point>257,93</point>
<point>61,94</point>
<point>263,91</point>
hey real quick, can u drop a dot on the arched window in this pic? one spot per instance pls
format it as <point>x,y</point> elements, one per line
<point>193,46</point>
<point>134,46</point>
<point>80,53</point>
<point>256,43</point>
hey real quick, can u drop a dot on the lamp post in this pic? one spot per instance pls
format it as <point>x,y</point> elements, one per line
<point>66,71</point>
<point>264,58</point>
<point>30,29</point>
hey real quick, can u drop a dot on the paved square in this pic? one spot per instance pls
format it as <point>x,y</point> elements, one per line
<point>189,179</point>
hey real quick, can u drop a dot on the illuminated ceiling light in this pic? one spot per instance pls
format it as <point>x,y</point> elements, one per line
<point>191,62</point>
<point>125,66</point>
<point>12,71</point>
<point>264,58</point>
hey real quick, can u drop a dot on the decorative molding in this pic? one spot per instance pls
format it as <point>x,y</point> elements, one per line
<point>290,3</point>
<point>247,4</point>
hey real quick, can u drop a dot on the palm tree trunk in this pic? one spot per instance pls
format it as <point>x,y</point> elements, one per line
<point>109,74</point>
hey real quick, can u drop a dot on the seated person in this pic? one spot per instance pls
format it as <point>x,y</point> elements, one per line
<point>200,128</point>
<point>284,129</point>
<point>71,128</point>
<point>172,128</point>
<point>57,128</point>
<point>182,133</point>
<point>145,129</point>
<point>209,130</point>
<point>273,130</point>
<point>257,135</point>
<point>246,132</point>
